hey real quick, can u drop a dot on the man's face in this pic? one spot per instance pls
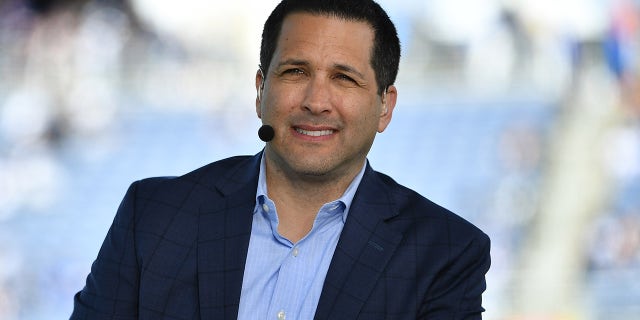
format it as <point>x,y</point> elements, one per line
<point>320,96</point>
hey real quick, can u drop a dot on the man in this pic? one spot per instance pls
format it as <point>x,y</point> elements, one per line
<point>305,229</point>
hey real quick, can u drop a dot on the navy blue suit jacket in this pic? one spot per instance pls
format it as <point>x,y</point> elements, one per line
<point>177,249</point>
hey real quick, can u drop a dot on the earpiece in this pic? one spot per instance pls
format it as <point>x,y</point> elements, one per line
<point>261,87</point>
<point>384,102</point>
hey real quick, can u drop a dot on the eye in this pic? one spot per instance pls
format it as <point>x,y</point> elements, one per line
<point>292,74</point>
<point>346,78</point>
<point>293,71</point>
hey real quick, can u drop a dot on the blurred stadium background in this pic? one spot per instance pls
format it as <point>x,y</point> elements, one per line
<point>521,116</point>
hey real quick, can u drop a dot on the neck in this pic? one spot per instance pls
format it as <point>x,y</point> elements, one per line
<point>298,198</point>
<point>308,187</point>
<point>305,189</point>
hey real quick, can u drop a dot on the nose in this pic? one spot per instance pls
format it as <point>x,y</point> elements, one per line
<point>317,98</point>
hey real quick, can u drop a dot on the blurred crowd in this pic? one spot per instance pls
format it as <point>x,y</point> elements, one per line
<point>493,85</point>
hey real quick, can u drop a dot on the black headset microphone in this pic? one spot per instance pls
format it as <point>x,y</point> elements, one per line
<point>266,133</point>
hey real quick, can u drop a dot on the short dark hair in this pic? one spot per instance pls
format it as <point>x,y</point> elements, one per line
<point>385,55</point>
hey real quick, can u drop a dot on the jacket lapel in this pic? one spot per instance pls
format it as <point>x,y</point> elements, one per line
<point>364,249</point>
<point>223,239</point>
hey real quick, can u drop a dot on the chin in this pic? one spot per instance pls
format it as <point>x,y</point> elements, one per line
<point>311,170</point>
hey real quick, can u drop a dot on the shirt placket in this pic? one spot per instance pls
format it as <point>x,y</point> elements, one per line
<point>291,279</point>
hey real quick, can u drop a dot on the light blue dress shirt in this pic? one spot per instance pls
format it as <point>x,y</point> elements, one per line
<point>283,280</point>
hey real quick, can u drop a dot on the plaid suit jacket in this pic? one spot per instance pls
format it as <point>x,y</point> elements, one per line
<point>177,249</point>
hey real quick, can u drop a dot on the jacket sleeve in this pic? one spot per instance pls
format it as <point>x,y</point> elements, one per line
<point>456,293</point>
<point>111,290</point>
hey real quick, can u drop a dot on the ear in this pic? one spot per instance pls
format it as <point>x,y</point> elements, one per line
<point>259,88</point>
<point>388,99</point>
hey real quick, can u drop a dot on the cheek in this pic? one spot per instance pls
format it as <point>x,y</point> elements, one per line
<point>362,124</point>
<point>284,102</point>
<point>276,106</point>
<point>371,115</point>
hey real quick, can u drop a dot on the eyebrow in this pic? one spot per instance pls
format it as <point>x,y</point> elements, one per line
<point>348,69</point>
<point>294,62</point>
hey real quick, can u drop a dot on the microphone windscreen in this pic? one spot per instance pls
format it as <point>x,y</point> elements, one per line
<point>266,133</point>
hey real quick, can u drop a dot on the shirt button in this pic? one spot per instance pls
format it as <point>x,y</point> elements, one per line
<point>265,207</point>
<point>281,315</point>
<point>295,251</point>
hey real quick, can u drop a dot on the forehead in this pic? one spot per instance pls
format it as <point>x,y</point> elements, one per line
<point>319,34</point>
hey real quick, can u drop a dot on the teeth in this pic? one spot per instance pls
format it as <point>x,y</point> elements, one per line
<point>315,133</point>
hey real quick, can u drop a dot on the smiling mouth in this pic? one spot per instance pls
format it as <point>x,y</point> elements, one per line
<point>318,133</point>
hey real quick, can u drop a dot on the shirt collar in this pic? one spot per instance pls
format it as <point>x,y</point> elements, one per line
<point>346,199</point>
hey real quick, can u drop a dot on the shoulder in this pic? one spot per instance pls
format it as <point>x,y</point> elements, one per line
<point>205,176</point>
<point>153,204</point>
<point>416,213</point>
<point>188,191</point>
